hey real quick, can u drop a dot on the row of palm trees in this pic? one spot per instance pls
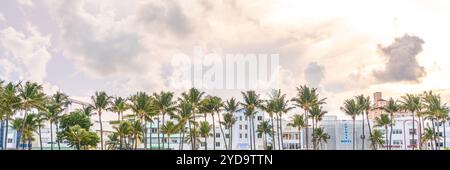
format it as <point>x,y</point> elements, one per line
<point>426,106</point>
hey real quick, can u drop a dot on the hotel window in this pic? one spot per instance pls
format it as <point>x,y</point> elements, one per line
<point>260,118</point>
<point>9,140</point>
<point>259,136</point>
<point>202,144</point>
<point>240,135</point>
<point>174,141</point>
<point>217,144</point>
<point>227,135</point>
<point>246,127</point>
<point>217,135</point>
<point>240,127</point>
<point>245,118</point>
<point>439,134</point>
<point>397,142</point>
<point>413,142</point>
<point>246,136</point>
<point>397,131</point>
<point>412,131</point>
<point>240,118</point>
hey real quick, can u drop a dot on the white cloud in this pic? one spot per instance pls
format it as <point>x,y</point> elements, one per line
<point>25,2</point>
<point>2,18</point>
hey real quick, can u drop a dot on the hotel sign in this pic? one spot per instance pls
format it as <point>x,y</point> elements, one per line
<point>346,139</point>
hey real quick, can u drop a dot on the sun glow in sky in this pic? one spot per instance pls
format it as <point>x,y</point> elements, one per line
<point>345,47</point>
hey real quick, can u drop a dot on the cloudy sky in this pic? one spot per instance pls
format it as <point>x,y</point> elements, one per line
<point>344,48</point>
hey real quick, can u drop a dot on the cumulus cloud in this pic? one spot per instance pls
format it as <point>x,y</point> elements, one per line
<point>314,74</point>
<point>25,54</point>
<point>402,64</point>
<point>2,18</point>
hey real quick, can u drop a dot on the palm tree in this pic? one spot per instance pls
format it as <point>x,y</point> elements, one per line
<point>391,108</point>
<point>123,131</point>
<point>411,103</point>
<point>269,108</point>
<point>218,105</point>
<point>137,131</point>
<point>184,117</point>
<point>250,105</point>
<point>444,117</point>
<point>39,120</point>
<point>192,135</point>
<point>364,106</point>
<point>265,129</point>
<point>169,128</point>
<point>144,109</point>
<point>230,107</point>
<point>306,98</point>
<point>377,139</point>
<point>52,115</point>
<point>383,121</point>
<point>205,129</point>
<point>119,105</point>
<point>61,101</point>
<point>32,96</point>
<point>212,105</point>
<point>435,111</point>
<point>281,106</point>
<point>113,141</point>
<point>351,108</point>
<point>100,102</point>
<point>9,104</point>
<point>319,137</point>
<point>193,96</point>
<point>298,122</point>
<point>165,105</point>
<point>316,113</point>
<point>29,125</point>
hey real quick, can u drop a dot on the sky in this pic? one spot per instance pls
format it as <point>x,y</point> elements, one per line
<point>344,48</point>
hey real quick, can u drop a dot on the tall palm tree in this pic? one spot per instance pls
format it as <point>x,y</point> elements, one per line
<point>428,136</point>
<point>205,130</point>
<point>269,108</point>
<point>123,131</point>
<point>100,102</point>
<point>52,114</point>
<point>444,117</point>
<point>392,107</point>
<point>316,113</point>
<point>298,122</point>
<point>61,101</point>
<point>169,128</point>
<point>351,108</point>
<point>184,117</point>
<point>165,105</point>
<point>137,129</point>
<point>435,111</point>
<point>230,107</point>
<point>412,103</point>
<point>212,105</point>
<point>383,121</point>
<point>39,120</point>
<point>376,139</point>
<point>32,96</point>
<point>193,135</point>
<point>265,129</point>
<point>144,109</point>
<point>119,105</point>
<point>9,104</point>
<point>319,137</point>
<point>250,105</point>
<point>363,103</point>
<point>193,96</point>
<point>281,106</point>
<point>305,99</point>
<point>30,126</point>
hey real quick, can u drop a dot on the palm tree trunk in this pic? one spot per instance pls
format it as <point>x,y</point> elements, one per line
<point>438,144</point>
<point>390,133</point>
<point>159,140</point>
<point>51,135</point>
<point>23,126</point>
<point>414,130</point>
<point>223,133</point>
<point>40,136</point>
<point>29,144</point>
<point>168,142</point>
<point>386,134</point>
<point>420,132</point>
<point>306,129</point>
<point>250,133</point>
<point>278,132</point>
<point>445,136</point>
<point>313,128</point>
<point>273,132</point>
<point>101,129</point>
<point>57,129</point>
<point>182,140</point>
<point>281,131</point>
<point>6,135</point>
<point>163,135</point>
<point>150,135</point>
<point>254,132</point>
<point>370,128</point>
<point>434,135</point>
<point>363,137</point>
<point>299,138</point>
<point>231,137</point>
<point>214,132</point>
<point>354,133</point>
<point>206,143</point>
<point>194,137</point>
<point>145,134</point>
